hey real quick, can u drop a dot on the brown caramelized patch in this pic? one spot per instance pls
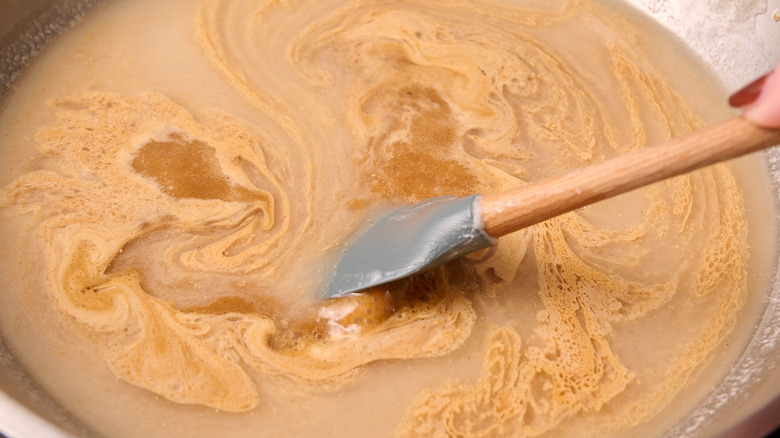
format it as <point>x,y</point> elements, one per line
<point>364,311</point>
<point>188,169</point>
<point>416,155</point>
<point>374,306</point>
<point>424,290</point>
<point>368,310</point>
<point>292,336</point>
<point>357,204</point>
<point>224,305</point>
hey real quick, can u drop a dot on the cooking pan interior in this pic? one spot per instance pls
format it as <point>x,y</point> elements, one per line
<point>737,40</point>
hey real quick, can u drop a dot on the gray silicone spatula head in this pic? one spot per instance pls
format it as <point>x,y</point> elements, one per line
<point>408,240</point>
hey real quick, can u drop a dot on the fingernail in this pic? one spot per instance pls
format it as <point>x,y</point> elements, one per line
<point>748,94</point>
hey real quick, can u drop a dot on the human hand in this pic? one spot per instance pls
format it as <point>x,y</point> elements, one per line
<point>760,100</point>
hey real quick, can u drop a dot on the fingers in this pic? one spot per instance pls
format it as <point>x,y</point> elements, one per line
<point>760,100</point>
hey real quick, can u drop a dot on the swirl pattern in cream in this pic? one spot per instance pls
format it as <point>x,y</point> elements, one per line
<point>192,246</point>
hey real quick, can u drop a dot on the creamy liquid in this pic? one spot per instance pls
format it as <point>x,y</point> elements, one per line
<point>180,179</point>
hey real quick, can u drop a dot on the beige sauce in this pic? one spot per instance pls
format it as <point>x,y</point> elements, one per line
<point>181,178</point>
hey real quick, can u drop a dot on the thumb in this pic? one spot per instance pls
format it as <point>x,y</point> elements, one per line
<point>760,100</point>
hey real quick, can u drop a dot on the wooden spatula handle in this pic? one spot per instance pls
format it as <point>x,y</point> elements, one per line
<point>514,209</point>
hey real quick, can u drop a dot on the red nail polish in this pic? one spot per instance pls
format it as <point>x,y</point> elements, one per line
<point>748,94</point>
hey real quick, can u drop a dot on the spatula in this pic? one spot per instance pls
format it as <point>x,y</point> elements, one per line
<point>435,231</point>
